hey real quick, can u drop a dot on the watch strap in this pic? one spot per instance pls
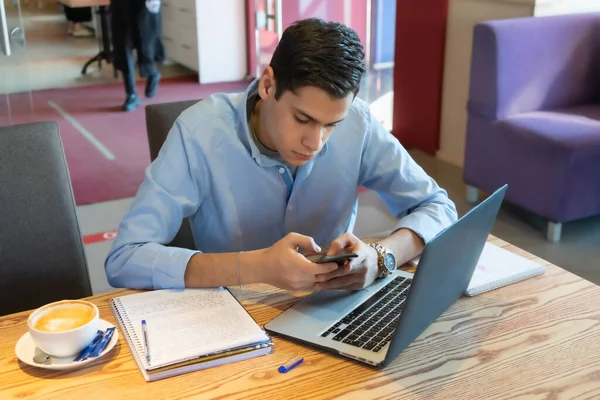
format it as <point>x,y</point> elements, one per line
<point>381,252</point>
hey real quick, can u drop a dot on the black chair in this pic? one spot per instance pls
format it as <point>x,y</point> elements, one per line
<point>41,252</point>
<point>159,120</point>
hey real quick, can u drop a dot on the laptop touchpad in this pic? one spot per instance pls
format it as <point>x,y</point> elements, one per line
<point>330,304</point>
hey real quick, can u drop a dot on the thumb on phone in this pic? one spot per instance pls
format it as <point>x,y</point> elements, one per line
<point>346,241</point>
<point>305,242</point>
<point>339,244</point>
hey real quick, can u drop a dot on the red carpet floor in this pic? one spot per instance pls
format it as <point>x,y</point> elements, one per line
<point>95,177</point>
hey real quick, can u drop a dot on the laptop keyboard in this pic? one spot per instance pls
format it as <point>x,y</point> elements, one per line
<point>371,325</point>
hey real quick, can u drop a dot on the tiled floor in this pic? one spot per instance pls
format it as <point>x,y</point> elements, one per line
<point>100,218</point>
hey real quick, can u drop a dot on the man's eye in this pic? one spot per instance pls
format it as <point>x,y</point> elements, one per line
<point>301,121</point>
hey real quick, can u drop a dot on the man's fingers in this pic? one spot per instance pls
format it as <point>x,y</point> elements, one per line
<point>306,242</point>
<point>340,271</point>
<point>318,269</point>
<point>356,262</point>
<point>336,247</point>
<point>341,243</point>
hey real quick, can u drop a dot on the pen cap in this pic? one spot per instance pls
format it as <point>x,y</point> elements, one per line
<point>290,364</point>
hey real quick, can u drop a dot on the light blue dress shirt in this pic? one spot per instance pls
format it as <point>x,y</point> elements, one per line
<point>210,171</point>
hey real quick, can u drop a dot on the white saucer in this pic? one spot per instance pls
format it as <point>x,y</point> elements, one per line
<point>26,349</point>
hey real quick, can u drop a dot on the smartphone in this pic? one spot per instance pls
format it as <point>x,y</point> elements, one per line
<point>340,259</point>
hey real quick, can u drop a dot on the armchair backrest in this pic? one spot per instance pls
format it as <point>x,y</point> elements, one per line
<point>535,63</point>
<point>159,120</point>
<point>41,252</point>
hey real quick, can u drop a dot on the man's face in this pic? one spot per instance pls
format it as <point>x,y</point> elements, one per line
<point>299,124</point>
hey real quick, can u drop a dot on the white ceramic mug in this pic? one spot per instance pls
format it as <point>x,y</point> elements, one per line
<point>64,328</point>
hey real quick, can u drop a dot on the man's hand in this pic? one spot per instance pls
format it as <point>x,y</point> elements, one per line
<point>357,274</point>
<point>286,268</point>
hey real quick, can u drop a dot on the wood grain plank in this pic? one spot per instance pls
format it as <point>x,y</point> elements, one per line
<point>537,339</point>
<point>85,3</point>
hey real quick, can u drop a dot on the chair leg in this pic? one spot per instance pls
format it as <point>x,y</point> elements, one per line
<point>472,194</point>
<point>553,232</point>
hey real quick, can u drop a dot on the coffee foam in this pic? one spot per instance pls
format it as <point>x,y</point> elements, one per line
<point>63,317</point>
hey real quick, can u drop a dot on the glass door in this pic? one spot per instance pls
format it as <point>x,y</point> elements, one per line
<point>271,17</point>
<point>373,20</point>
<point>269,28</point>
<point>16,103</point>
<point>378,84</point>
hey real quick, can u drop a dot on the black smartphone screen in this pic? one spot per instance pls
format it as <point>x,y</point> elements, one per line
<point>336,258</point>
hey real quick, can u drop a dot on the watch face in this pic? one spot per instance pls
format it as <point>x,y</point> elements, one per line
<point>390,261</point>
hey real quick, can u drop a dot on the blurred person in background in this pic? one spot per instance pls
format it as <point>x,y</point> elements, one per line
<point>136,25</point>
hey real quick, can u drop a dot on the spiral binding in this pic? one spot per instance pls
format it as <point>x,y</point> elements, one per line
<point>127,327</point>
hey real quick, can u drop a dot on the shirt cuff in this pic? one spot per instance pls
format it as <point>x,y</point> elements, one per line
<point>421,225</point>
<point>169,267</point>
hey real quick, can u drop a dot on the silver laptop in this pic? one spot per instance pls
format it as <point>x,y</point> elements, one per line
<point>376,324</point>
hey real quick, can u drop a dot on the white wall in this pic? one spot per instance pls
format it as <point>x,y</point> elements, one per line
<point>207,36</point>
<point>555,7</point>
<point>222,40</point>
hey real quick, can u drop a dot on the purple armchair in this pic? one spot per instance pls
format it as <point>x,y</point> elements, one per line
<point>534,115</point>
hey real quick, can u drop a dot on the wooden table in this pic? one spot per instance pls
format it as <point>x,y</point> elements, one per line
<point>537,339</point>
<point>84,3</point>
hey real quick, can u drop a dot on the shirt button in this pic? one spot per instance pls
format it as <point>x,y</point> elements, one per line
<point>282,170</point>
<point>290,208</point>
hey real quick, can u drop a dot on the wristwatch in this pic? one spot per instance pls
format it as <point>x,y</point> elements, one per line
<point>386,262</point>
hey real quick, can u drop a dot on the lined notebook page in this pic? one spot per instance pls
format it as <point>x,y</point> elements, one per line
<point>185,324</point>
<point>499,267</point>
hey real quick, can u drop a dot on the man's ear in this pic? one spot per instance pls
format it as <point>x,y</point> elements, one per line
<point>267,84</point>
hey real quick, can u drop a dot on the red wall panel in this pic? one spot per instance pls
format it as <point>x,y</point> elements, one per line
<point>418,72</point>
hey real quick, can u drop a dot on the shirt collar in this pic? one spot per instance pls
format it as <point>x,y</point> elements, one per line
<point>261,159</point>
<point>251,92</point>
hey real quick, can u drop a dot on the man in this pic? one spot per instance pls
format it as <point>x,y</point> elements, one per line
<point>136,24</point>
<point>263,173</point>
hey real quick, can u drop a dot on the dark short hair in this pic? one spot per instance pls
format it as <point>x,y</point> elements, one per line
<point>313,52</point>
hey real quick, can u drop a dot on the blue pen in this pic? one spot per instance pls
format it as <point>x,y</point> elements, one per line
<point>294,362</point>
<point>146,344</point>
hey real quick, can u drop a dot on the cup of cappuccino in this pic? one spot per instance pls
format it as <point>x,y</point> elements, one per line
<point>64,328</point>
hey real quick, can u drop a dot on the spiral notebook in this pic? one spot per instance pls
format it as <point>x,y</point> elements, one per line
<point>187,330</point>
<point>498,267</point>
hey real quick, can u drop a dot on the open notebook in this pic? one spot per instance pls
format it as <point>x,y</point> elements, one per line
<point>498,267</point>
<point>188,330</point>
